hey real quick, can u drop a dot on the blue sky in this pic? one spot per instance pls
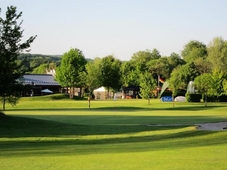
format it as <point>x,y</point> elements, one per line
<point>119,27</point>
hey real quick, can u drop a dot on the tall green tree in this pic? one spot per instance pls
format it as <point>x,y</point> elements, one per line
<point>93,74</point>
<point>187,73</point>
<point>147,86</point>
<point>155,54</point>
<point>174,61</point>
<point>176,82</point>
<point>181,76</point>
<point>70,72</point>
<point>203,65</point>
<point>217,54</point>
<point>194,50</point>
<point>159,67</point>
<point>129,74</point>
<point>93,77</point>
<point>110,71</point>
<point>216,88</point>
<point>139,60</point>
<point>11,46</point>
<point>204,83</point>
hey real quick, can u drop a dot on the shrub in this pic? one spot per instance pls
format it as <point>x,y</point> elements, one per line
<point>191,97</point>
<point>223,98</point>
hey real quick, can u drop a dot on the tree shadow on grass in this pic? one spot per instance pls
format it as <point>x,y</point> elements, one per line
<point>71,135</point>
<point>127,108</point>
<point>83,125</point>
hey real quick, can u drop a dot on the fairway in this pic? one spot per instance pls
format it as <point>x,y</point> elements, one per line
<point>123,134</point>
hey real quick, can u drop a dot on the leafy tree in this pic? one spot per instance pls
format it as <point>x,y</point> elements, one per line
<point>139,60</point>
<point>155,54</point>
<point>69,73</point>
<point>181,76</point>
<point>126,69</point>
<point>217,54</point>
<point>159,67</point>
<point>224,84</point>
<point>203,65</point>
<point>174,61</point>
<point>212,84</point>
<point>216,88</point>
<point>187,73</point>
<point>147,86</point>
<point>176,82</point>
<point>11,46</point>
<point>92,76</point>
<point>129,74</point>
<point>204,83</point>
<point>110,71</point>
<point>194,50</point>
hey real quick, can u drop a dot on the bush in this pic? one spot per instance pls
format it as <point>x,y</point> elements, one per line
<point>211,98</point>
<point>223,98</point>
<point>191,97</point>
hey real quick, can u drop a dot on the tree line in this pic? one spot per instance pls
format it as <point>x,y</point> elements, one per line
<point>38,63</point>
<point>206,65</point>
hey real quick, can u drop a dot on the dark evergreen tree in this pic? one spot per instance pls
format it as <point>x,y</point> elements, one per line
<point>10,48</point>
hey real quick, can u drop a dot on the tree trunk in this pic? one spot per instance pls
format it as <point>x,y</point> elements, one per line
<point>205,99</point>
<point>71,91</point>
<point>80,92</point>
<point>4,103</point>
<point>108,93</point>
<point>173,101</point>
<point>89,101</point>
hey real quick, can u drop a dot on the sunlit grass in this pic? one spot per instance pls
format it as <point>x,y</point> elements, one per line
<point>65,134</point>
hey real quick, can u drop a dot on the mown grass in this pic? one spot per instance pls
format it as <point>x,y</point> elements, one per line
<point>65,134</point>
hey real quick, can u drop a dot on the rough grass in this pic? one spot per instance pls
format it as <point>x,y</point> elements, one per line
<point>60,134</point>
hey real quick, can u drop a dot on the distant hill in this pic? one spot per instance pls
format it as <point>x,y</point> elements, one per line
<point>39,63</point>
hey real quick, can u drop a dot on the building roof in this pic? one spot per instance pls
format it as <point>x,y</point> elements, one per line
<point>39,79</point>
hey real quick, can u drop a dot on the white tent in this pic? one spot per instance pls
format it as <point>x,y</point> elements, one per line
<point>46,91</point>
<point>100,89</point>
<point>100,93</point>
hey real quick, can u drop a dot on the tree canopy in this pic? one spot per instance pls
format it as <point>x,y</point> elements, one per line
<point>110,73</point>
<point>194,50</point>
<point>147,86</point>
<point>69,73</point>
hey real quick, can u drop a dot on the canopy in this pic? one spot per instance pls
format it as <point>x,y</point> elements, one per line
<point>46,91</point>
